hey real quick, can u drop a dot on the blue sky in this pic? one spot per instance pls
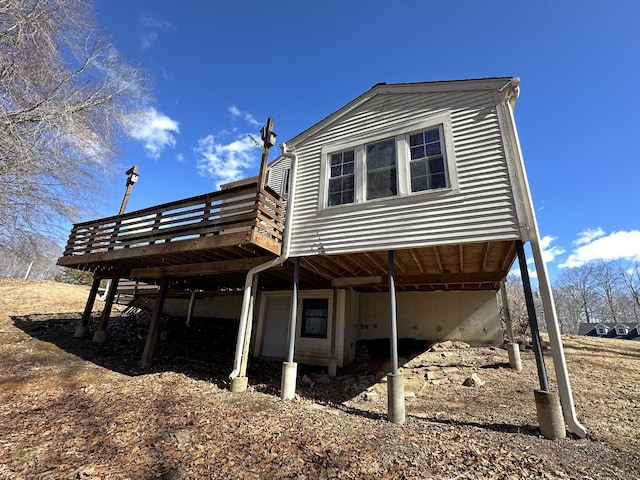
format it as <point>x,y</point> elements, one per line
<point>220,69</point>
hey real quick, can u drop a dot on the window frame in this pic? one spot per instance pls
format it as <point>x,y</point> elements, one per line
<point>286,174</point>
<point>303,325</point>
<point>401,136</point>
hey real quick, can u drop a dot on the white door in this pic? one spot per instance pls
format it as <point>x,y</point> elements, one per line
<point>276,324</point>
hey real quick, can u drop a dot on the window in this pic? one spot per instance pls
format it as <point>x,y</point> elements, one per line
<point>427,163</point>
<point>285,183</point>
<point>395,162</point>
<point>341,178</point>
<point>381,170</point>
<point>315,313</point>
<point>621,330</point>
<point>601,329</point>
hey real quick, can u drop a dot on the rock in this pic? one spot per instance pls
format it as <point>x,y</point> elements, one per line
<point>182,436</point>
<point>306,380</point>
<point>461,345</point>
<point>473,381</point>
<point>324,379</point>
<point>370,396</point>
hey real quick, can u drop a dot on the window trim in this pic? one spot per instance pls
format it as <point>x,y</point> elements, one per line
<point>323,336</point>
<point>401,135</point>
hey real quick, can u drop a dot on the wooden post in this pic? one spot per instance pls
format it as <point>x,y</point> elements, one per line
<point>267,137</point>
<point>111,294</point>
<point>533,319</point>
<point>507,312</point>
<point>88,308</point>
<point>154,327</point>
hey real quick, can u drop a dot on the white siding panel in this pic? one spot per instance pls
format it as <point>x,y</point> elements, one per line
<point>482,208</point>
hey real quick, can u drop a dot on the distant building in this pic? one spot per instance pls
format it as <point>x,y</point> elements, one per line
<point>626,331</point>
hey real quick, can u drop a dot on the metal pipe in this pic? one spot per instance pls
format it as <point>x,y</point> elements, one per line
<point>392,302</point>
<point>533,319</point>
<point>247,291</point>
<point>294,311</point>
<point>550,315</point>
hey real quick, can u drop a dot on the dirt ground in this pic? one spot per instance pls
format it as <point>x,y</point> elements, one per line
<point>71,410</point>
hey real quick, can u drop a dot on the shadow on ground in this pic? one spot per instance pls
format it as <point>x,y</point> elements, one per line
<point>204,351</point>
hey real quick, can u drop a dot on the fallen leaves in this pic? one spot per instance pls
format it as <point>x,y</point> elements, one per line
<point>91,422</point>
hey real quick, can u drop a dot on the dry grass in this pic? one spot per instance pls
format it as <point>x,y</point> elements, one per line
<point>71,411</point>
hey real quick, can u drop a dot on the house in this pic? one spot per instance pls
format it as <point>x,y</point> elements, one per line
<point>405,209</point>
<point>626,331</point>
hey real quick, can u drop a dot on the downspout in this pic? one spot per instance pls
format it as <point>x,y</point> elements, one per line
<point>284,255</point>
<point>551,318</point>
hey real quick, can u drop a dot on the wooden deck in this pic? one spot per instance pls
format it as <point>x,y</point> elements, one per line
<point>225,231</point>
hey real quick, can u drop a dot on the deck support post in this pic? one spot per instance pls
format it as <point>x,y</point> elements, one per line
<point>83,328</point>
<point>533,319</point>
<point>154,327</point>
<point>192,304</point>
<point>247,333</point>
<point>290,368</point>
<point>513,348</point>
<point>241,382</point>
<point>395,380</point>
<point>100,335</point>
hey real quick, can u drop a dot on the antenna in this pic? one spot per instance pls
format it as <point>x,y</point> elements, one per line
<point>258,144</point>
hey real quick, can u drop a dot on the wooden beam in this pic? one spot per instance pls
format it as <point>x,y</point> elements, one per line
<point>416,259</point>
<point>111,294</point>
<point>157,249</point>
<point>154,327</point>
<point>376,262</point>
<point>448,278</point>
<point>438,259</point>
<point>316,269</point>
<point>485,255</point>
<point>88,308</point>
<point>208,268</point>
<point>353,281</point>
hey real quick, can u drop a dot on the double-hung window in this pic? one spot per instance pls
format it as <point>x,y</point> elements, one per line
<point>341,178</point>
<point>427,166</point>
<point>381,169</point>
<point>396,162</point>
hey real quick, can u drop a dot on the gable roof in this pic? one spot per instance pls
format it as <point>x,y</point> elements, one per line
<point>492,83</point>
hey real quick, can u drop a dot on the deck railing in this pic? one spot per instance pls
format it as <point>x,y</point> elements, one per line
<point>234,210</point>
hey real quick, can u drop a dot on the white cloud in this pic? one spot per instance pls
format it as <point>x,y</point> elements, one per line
<point>224,161</point>
<point>589,235</point>
<point>615,246</point>
<point>549,252</point>
<point>247,117</point>
<point>150,27</point>
<point>148,39</point>
<point>154,129</point>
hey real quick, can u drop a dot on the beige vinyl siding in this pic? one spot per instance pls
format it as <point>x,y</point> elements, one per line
<point>276,174</point>
<point>470,317</point>
<point>480,208</point>
<point>312,351</point>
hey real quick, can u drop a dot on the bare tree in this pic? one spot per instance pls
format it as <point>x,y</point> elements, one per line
<point>517,306</point>
<point>577,289</point>
<point>31,255</point>
<point>65,97</point>
<point>630,278</point>
<point>606,279</point>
